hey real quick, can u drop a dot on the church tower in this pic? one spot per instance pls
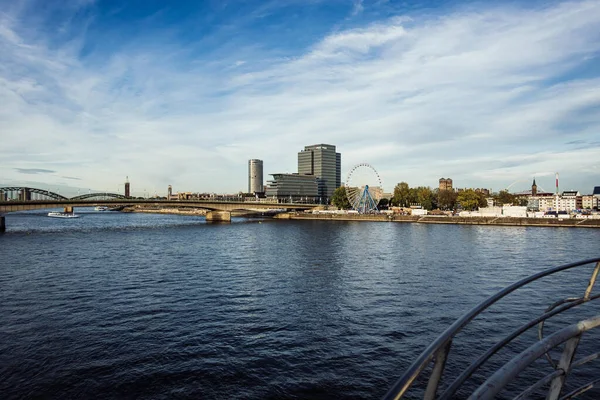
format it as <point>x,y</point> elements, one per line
<point>534,188</point>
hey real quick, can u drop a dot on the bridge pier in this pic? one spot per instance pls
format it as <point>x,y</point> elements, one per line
<point>69,209</point>
<point>218,216</point>
<point>2,223</point>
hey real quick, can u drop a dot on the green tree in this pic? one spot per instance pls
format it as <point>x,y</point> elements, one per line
<point>504,197</point>
<point>425,197</point>
<point>470,200</point>
<point>339,199</point>
<point>401,195</point>
<point>446,199</point>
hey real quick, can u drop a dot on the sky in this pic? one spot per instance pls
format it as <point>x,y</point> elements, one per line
<point>183,93</point>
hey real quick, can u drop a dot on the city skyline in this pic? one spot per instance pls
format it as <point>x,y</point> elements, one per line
<point>186,94</point>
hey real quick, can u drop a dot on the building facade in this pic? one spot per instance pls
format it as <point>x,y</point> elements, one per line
<point>589,202</point>
<point>445,184</point>
<point>294,187</point>
<point>255,176</point>
<point>569,201</point>
<point>323,162</point>
<point>127,188</point>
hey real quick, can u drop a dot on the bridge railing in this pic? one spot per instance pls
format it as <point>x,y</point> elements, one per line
<point>437,353</point>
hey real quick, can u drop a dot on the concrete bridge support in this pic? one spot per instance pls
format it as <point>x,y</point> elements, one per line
<point>2,223</point>
<point>218,216</point>
<point>68,209</point>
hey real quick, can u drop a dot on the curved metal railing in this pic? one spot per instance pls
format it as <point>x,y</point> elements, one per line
<point>438,351</point>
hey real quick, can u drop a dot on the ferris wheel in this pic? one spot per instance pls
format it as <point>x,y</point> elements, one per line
<point>363,188</point>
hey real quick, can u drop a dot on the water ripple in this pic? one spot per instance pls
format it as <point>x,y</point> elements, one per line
<point>159,306</point>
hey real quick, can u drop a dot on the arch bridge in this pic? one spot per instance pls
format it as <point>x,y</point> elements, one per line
<point>23,193</point>
<point>218,210</point>
<point>98,196</point>
<point>26,193</point>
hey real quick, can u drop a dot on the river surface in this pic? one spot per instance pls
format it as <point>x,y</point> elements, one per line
<point>115,305</point>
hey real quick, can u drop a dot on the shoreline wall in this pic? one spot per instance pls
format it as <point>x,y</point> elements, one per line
<point>432,219</point>
<point>174,211</point>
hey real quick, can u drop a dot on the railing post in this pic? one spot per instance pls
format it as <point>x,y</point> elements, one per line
<point>438,369</point>
<point>590,286</point>
<point>565,364</point>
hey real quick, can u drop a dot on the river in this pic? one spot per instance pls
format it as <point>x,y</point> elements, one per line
<point>117,305</point>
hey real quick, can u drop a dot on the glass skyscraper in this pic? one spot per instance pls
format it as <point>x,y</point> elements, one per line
<point>322,161</point>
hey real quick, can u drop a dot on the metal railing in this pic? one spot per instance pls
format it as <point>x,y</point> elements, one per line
<point>438,351</point>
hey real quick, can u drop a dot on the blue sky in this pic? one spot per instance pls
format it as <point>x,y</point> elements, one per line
<point>185,92</point>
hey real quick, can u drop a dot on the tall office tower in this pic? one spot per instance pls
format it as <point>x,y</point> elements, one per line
<point>322,161</point>
<point>127,191</point>
<point>255,176</point>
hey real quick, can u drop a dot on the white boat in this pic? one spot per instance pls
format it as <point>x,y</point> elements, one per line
<point>101,208</point>
<point>55,214</point>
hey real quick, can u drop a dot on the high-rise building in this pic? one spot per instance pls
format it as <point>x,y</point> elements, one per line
<point>322,161</point>
<point>169,192</point>
<point>127,187</point>
<point>255,176</point>
<point>445,184</point>
<point>293,187</point>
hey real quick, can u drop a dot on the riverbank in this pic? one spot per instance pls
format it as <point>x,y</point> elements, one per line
<point>434,219</point>
<point>175,211</point>
<point>184,211</point>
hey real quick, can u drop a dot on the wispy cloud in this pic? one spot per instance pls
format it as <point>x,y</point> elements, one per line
<point>357,7</point>
<point>72,178</point>
<point>33,171</point>
<point>485,96</point>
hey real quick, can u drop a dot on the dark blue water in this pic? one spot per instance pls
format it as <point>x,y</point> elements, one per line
<point>118,305</point>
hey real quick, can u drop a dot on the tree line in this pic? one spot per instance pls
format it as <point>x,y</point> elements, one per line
<point>431,199</point>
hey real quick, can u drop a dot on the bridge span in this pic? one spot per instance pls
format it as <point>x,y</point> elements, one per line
<point>217,210</point>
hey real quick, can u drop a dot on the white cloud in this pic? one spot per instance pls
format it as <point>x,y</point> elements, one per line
<point>357,7</point>
<point>486,97</point>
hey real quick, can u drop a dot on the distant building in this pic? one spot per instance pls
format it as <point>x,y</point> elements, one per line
<point>589,202</point>
<point>376,192</point>
<point>596,192</point>
<point>127,187</point>
<point>445,184</point>
<point>533,188</point>
<point>569,200</point>
<point>186,196</point>
<point>170,195</point>
<point>255,176</point>
<point>322,161</point>
<point>544,202</point>
<point>295,187</point>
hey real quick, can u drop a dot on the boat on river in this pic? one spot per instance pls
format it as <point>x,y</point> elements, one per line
<point>56,214</point>
<point>100,208</point>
